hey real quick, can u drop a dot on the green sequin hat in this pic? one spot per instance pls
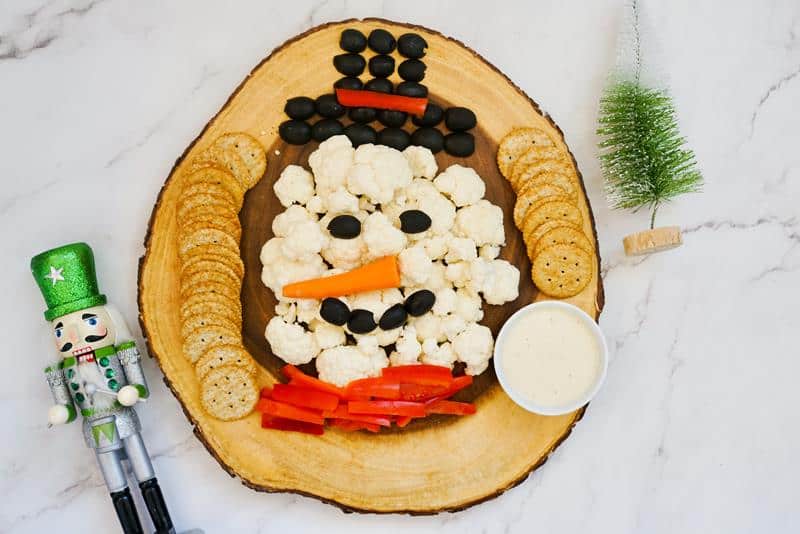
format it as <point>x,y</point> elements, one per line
<point>67,279</point>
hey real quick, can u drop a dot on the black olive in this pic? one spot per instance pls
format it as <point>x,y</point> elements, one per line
<point>381,85</point>
<point>360,134</point>
<point>414,221</point>
<point>325,128</point>
<point>361,322</point>
<point>299,108</point>
<point>393,318</point>
<point>392,118</point>
<point>411,89</point>
<point>419,302</point>
<point>352,41</point>
<point>295,132</point>
<point>334,311</point>
<point>348,82</point>
<point>329,107</point>
<point>411,45</point>
<point>433,116</point>
<point>430,138</point>
<point>344,227</point>
<point>381,41</point>
<point>460,144</point>
<point>363,115</point>
<point>459,119</point>
<point>396,138</point>
<point>381,66</point>
<point>349,64</point>
<point>412,70</point>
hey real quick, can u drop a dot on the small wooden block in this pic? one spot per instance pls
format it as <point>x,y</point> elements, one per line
<point>655,240</point>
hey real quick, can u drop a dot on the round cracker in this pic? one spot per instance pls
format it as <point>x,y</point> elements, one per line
<point>202,320</point>
<point>215,270</point>
<point>202,339</point>
<point>532,195</point>
<point>557,210</point>
<point>533,238</point>
<point>228,260</point>
<point>197,288</point>
<point>217,357</point>
<point>198,278</point>
<point>563,235</point>
<point>208,237</point>
<point>517,142</point>
<point>227,159</point>
<point>203,203</point>
<point>229,392</point>
<point>212,303</point>
<point>523,174</point>
<point>249,150</point>
<point>562,271</point>
<point>218,176</point>
<point>232,227</point>
<point>558,177</point>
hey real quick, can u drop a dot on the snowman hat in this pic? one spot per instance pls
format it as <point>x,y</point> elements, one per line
<point>67,279</point>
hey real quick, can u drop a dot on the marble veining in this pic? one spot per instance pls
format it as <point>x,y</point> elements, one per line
<point>696,428</point>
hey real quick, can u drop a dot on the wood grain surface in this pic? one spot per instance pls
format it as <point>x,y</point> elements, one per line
<point>433,465</point>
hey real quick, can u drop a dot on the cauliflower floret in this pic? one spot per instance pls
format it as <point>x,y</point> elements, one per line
<point>341,201</point>
<point>429,326</point>
<point>437,278</point>
<point>474,347</point>
<point>415,266</point>
<point>327,335</point>
<point>468,305</point>
<point>345,363</point>
<point>308,310</point>
<point>381,238</point>
<point>377,301</point>
<point>295,184</point>
<point>278,270</point>
<point>365,205</point>
<point>440,210</point>
<point>407,348</point>
<point>489,252</point>
<point>378,172</point>
<point>290,342</point>
<point>458,273</point>
<point>303,240</point>
<point>316,204</point>
<point>436,246</point>
<point>440,355</point>
<point>497,280</point>
<point>460,249</point>
<point>387,337</point>
<point>452,325</point>
<point>445,301</point>
<point>287,310</point>
<point>283,223</point>
<point>331,163</point>
<point>461,184</point>
<point>422,161</point>
<point>483,222</point>
<point>344,253</point>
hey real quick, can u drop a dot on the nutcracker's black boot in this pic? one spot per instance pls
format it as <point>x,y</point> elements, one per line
<point>126,512</point>
<point>154,500</point>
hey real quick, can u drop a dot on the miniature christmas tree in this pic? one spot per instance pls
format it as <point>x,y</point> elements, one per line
<point>644,159</point>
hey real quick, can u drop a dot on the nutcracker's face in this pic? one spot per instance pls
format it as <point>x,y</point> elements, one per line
<point>83,331</point>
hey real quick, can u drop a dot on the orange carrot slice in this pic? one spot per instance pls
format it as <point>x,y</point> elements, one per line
<point>379,274</point>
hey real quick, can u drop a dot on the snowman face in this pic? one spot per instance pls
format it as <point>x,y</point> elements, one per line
<point>83,331</point>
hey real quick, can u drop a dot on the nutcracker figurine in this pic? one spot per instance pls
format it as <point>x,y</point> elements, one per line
<point>98,374</point>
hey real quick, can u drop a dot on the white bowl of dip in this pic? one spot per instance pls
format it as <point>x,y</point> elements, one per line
<point>550,357</point>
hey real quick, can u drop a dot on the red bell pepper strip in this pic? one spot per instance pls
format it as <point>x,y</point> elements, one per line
<point>450,408</point>
<point>414,409</point>
<point>459,383</point>
<point>266,392</point>
<point>278,423</point>
<point>299,378</point>
<point>427,375</point>
<point>420,392</point>
<point>403,420</point>
<point>287,411</point>
<point>341,413</point>
<point>352,426</point>
<point>372,387</point>
<point>359,98</point>
<point>304,397</point>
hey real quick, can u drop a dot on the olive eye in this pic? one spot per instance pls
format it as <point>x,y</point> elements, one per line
<point>414,221</point>
<point>344,227</point>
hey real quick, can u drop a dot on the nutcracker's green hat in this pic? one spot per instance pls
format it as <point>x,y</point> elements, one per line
<point>67,279</point>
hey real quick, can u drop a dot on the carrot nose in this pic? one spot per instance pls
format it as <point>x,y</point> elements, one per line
<point>379,274</point>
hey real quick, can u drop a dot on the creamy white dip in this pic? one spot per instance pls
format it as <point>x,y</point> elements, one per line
<point>550,357</point>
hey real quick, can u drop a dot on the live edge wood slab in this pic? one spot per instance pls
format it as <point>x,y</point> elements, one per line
<point>443,464</point>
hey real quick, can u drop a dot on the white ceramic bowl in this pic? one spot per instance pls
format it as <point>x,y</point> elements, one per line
<point>527,403</point>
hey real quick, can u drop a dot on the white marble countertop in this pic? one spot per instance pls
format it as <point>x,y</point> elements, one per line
<point>695,430</point>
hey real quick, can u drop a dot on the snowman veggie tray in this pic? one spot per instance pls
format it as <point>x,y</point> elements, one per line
<point>439,463</point>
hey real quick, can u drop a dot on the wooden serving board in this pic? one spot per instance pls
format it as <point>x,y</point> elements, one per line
<point>433,465</point>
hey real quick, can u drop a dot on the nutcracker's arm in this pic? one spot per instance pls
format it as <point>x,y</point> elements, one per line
<point>63,410</point>
<point>128,354</point>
